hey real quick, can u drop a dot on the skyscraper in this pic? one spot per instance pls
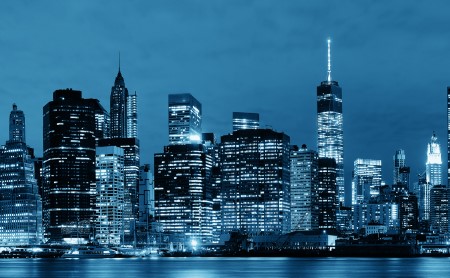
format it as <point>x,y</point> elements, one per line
<point>20,203</point>
<point>68,172</point>
<point>131,151</point>
<point>243,120</point>
<point>399,162</point>
<point>304,183</point>
<point>118,107</point>
<point>434,162</point>
<point>185,119</point>
<point>327,201</point>
<point>132,127</point>
<point>183,199</point>
<point>110,195</point>
<point>439,208</point>
<point>255,181</point>
<point>330,142</point>
<point>366,179</point>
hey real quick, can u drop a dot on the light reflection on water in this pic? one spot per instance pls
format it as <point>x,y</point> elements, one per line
<point>227,267</point>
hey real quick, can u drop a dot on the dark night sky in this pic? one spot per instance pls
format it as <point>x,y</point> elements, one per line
<point>390,57</point>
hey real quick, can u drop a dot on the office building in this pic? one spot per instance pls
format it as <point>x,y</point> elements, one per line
<point>132,120</point>
<point>185,119</point>
<point>131,151</point>
<point>366,179</point>
<point>255,182</point>
<point>330,142</point>
<point>110,195</point>
<point>183,202</point>
<point>20,203</point>
<point>304,183</point>
<point>68,174</point>
<point>327,194</point>
<point>242,120</point>
<point>439,209</point>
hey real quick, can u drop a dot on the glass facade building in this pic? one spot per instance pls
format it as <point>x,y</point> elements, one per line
<point>68,173</point>
<point>255,181</point>
<point>242,120</point>
<point>185,119</point>
<point>20,203</point>
<point>439,208</point>
<point>131,151</point>
<point>330,142</point>
<point>183,200</point>
<point>110,195</point>
<point>304,182</point>
<point>366,179</point>
<point>132,120</point>
<point>399,162</point>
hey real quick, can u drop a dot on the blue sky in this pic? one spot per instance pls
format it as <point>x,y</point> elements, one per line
<point>390,58</point>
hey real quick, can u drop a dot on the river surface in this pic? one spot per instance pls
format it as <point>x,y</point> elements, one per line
<point>227,267</point>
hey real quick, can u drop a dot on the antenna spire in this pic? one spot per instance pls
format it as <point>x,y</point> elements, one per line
<point>119,60</point>
<point>329,60</point>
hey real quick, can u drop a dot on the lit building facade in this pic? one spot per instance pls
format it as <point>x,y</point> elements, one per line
<point>328,203</point>
<point>386,214</point>
<point>330,142</point>
<point>102,120</point>
<point>434,162</point>
<point>68,173</point>
<point>439,208</point>
<point>366,179</point>
<point>185,119</point>
<point>132,116</point>
<point>20,203</point>
<point>448,136</point>
<point>131,151</point>
<point>183,202</point>
<point>255,181</point>
<point>110,195</point>
<point>304,182</point>
<point>242,120</point>
<point>399,162</point>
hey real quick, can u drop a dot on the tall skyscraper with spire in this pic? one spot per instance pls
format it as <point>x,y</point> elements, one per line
<point>434,162</point>
<point>330,139</point>
<point>20,203</point>
<point>118,108</point>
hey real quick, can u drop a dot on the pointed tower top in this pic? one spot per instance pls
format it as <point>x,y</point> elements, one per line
<point>329,60</point>
<point>119,61</point>
<point>119,78</point>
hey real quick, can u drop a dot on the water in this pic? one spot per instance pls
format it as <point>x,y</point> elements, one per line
<point>227,267</point>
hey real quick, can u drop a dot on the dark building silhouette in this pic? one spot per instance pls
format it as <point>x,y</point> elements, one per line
<point>439,208</point>
<point>118,107</point>
<point>69,166</point>
<point>326,193</point>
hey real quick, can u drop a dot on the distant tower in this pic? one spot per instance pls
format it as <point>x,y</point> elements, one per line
<point>243,120</point>
<point>434,162</point>
<point>16,125</point>
<point>448,136</point>
<point>399,162</point>
<point>330,142</point>
<point>118,108</point>
<point>185,119</point>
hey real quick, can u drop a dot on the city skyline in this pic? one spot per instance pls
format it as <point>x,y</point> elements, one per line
<point>391,100</point>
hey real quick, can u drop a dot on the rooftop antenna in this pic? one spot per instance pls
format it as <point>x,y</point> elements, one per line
<point>329,60</point>
<point>119,60</point>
